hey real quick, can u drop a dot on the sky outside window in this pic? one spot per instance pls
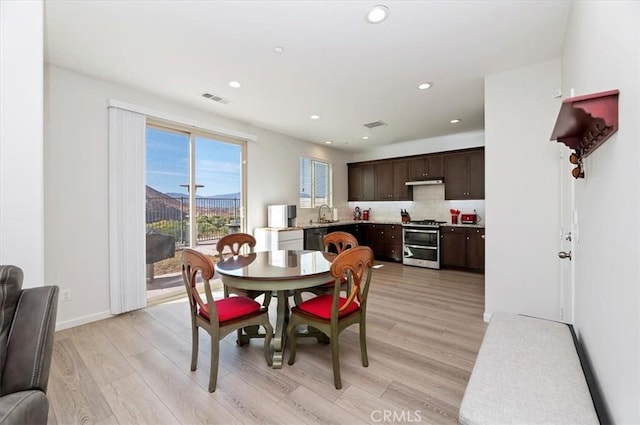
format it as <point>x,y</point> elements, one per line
<point>218,164</point>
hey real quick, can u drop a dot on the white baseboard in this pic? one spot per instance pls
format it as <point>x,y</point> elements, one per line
<point>83,320</point>
<point>487,317</point>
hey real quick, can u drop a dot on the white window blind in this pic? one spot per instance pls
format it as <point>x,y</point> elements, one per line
<point>315,183</point>
<point>126,210</point>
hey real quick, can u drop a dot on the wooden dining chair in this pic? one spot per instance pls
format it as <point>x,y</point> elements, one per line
<point>233,244</point>
<point>335,242</point>
<point>218,317</point>
<point>331,314</point>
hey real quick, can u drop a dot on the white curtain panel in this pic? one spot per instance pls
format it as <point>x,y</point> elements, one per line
<point>127,210</point>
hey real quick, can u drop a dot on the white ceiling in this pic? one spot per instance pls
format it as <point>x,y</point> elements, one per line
<point>334,63</point>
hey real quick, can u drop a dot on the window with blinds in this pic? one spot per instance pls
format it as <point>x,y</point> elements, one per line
<point>315,183</point>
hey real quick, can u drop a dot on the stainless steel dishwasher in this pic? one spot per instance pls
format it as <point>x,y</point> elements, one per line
<point>313,238</point>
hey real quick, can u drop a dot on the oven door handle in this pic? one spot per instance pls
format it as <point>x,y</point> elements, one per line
<point>421,231</point>
<point>421,246</point>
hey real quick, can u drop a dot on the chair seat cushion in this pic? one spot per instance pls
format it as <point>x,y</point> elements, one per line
<point>321,306</point>
<point>232,308</point>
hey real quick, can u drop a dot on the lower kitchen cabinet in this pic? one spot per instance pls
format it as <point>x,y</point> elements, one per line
<point>462,247</point>
<point>354,229</point>
<point>475,248</point>
<point>385,240</point>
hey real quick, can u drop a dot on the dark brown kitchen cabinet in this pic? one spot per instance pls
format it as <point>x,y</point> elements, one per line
<point>354,229</point>
<point>426,167</point>
<point>390,181</point>
<point>453,247</point>
<point>385,240</point>
<point>361,182</point>
<point>462,248</point>
<point>475,248</point>
<point>464,175</point>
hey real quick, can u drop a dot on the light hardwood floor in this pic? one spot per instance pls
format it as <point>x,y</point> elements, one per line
<point>424,328</point>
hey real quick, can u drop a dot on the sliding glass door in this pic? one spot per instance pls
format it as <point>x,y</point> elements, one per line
<point>193,195</point>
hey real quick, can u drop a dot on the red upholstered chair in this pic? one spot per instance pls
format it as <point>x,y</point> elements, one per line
<point>234,244</point>
<point>332,242</point>
<point>331,314</point>
<point>218,317</point>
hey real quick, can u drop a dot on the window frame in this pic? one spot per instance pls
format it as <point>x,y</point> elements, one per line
<point>313,162</point>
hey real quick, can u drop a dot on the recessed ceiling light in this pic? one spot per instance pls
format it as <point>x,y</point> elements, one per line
<point>378,14</point>
<point>455,121</point>
<point>314,117</point>
<point>328,142</point>
<point>235,84</point>
<point>278,49</point>
<point>365,137</point>
<point>424,86</point>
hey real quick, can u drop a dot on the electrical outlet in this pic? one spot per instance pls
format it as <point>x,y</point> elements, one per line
<point>65,295</point>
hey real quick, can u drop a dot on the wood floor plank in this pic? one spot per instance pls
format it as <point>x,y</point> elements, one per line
<point>73,394</point>
<point>370,408</point>
<point>249,405</point>
<point>133,402</point>
<point>429,409</point>
<point>102,358</point>
<point>123,336</point>
<point>176,390</point>
<point>111,420</point>
<point>312,409</point>
<point>424,328</point>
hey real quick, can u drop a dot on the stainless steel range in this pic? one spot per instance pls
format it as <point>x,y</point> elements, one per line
<point>421,243</point>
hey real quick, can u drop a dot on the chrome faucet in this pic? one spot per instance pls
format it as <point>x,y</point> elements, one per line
<point>321,216</point>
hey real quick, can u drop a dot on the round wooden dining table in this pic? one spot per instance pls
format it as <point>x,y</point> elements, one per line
<point>279,271</point>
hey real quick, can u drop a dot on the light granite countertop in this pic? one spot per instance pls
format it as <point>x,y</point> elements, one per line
<point>475,226</point>
<point>316,224</point>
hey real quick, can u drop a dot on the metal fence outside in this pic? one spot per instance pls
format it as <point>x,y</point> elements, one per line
<point>213,217</point>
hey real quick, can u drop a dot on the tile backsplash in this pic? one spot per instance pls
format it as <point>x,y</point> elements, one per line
<point>428,203</point>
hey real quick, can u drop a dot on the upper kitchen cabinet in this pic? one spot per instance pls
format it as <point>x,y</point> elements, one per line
<point>390,181</point>
<point>464,175</point>
<point>426,167</point>
<point>361,182</point>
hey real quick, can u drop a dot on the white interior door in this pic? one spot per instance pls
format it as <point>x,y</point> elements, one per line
<point>567,235</point>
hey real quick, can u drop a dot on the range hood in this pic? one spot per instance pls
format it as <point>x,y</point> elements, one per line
<point>438,180</point>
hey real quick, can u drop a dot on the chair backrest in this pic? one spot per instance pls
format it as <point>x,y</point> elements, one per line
<point>194,262</point>
<point>339,241</point>
<point>235,242</point>
<point>358,263</point>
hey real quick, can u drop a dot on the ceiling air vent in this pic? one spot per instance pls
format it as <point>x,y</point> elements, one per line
<point>215,98</point>
<point>375,124</point>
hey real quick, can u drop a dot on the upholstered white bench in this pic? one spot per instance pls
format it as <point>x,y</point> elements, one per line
<point>527,372</point>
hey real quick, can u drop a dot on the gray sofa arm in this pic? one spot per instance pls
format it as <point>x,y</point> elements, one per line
<point>30,341</point>
<point>24,407</point>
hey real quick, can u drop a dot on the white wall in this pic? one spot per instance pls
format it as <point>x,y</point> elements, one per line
<point>21,186</point>
<point>603,55</point>
<point>522,195</point>
<point>76,181</point>
<point>450,142</point>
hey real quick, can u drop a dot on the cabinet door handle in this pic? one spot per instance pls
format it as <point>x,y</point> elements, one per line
<point>482,236</point>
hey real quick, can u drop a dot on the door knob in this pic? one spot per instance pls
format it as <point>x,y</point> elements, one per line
<point>564,255</point>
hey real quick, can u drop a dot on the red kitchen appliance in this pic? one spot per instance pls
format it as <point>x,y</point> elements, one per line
<point>366,214</point>
<point>469,218</point>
